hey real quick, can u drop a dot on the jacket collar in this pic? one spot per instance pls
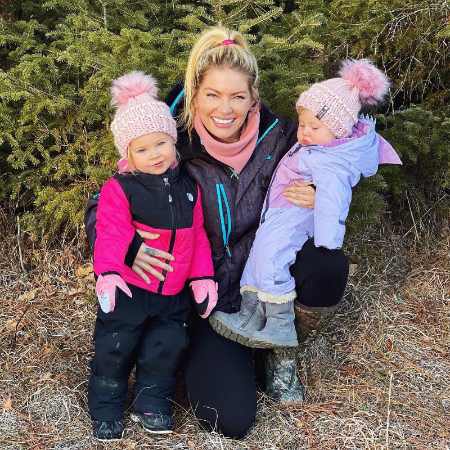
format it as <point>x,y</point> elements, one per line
<point>149,180</point>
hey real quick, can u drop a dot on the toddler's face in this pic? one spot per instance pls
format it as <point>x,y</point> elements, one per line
<point>311,131</point>
<point>152,153</point>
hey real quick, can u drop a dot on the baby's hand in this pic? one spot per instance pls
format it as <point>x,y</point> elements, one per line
<point>205,296</point>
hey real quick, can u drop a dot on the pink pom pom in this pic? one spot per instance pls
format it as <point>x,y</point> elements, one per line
<point>130,86</point>
<point>371,82</point>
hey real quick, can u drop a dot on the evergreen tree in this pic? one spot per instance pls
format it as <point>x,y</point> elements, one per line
<point>58,57</point>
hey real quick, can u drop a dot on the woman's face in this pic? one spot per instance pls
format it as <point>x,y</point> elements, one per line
<point>222,102</point>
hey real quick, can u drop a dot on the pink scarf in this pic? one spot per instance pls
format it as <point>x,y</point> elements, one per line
<point>235,154</point>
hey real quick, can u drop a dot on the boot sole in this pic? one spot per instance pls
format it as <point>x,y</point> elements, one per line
<point>136,419</point>
<point>266,345</point>
<point>110,440</point>
<point>247,341</point>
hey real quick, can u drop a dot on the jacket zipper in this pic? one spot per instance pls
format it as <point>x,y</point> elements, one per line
<point>173,231</point>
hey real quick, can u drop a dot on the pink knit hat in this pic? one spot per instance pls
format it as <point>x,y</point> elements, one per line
<point>337,101</point>
<point>139,111</point>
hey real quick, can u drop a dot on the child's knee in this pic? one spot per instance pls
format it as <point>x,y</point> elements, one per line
<point>114,354</point>
<point>162,350</point>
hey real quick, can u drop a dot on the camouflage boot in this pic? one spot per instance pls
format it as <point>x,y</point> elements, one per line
<point>282,382</point>
<point>309,320</point>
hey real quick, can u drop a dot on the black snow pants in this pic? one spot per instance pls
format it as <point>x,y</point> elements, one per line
<point>149,331</point>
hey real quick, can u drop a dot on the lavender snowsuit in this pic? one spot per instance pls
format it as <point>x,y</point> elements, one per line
<point>284,227</point>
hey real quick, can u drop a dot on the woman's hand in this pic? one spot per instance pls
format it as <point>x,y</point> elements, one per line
<point>301,193</point>
<point>148,258</point>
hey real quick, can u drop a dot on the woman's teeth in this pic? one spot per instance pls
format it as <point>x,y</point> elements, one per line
<point>223,121</point>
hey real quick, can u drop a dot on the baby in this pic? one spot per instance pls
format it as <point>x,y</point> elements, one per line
<point>335,148</point>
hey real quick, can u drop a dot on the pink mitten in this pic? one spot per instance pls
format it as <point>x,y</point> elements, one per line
<point>205,296</point>
<point>106,291</point>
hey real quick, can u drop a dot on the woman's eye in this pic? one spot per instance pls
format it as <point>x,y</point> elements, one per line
<point>160,143</point>
<point>140,150</point>
<point>210,94</point>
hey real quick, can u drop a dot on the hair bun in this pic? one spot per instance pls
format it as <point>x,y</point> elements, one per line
<point>132,85</point>
<point>371,82</point>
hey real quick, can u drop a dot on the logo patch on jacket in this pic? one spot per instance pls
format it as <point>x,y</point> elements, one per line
<point>190,197</point>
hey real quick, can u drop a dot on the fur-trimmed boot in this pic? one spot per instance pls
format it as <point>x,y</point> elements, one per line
<point>279,330</point>
<point>240,326</point>
<point>282,382</point>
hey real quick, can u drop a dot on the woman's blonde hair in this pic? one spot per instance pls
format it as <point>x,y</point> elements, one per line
<point>210,50</point>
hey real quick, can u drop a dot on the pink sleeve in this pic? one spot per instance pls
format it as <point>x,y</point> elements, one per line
<point>202,265</point>
<point>114,228</point>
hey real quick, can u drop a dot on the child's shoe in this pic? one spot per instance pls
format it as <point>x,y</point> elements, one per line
<point>107,430</point>
<point>240,326</point>
<point>155,423</point>
<point>280,327</point>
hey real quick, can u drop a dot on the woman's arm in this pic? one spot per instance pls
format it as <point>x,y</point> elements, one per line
<point>148,258</point>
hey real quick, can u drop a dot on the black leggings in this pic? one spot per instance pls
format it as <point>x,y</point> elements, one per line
<point>220,374</point>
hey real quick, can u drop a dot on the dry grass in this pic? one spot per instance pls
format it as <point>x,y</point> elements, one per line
<point>378,375</point>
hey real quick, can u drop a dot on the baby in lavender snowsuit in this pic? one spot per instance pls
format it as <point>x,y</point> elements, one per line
<point>335,148</point>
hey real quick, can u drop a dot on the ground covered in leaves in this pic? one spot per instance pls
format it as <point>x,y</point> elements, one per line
<point>377,375</point>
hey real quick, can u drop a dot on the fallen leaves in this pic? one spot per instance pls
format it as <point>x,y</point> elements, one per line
<point>7,404</point>
<point>28,296</point>
<point>84,271</point>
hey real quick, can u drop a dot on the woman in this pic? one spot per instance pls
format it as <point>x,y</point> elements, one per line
<point>231,144</point>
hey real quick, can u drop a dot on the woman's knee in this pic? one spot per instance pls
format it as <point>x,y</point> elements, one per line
<point>232,424</point>
<point>320,275</point>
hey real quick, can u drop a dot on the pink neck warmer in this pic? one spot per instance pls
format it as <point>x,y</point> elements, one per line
<point>235,154</point>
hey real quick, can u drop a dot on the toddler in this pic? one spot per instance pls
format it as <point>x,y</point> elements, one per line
<point>335,148</point>
<point>144,323</point>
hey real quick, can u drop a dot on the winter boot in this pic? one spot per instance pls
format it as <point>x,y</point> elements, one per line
<point>153,422</point>
<point>107,430</point>
<point>240,326</point>
<point>310,320</point>
<point>282,382</point>
<point>279,330</point>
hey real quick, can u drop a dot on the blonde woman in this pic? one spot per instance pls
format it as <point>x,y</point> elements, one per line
<point>230,143</point>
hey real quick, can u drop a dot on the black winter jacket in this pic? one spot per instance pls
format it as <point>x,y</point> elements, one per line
<point>231,203</point>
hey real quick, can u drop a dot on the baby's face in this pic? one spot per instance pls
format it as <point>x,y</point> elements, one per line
<point>311,131</point>
<point>152,153</point>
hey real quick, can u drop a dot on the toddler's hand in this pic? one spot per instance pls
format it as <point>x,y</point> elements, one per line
<point>205,296</point>
<point>106,291</point>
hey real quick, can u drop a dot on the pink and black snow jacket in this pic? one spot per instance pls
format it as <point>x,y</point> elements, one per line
<point>168,204</point>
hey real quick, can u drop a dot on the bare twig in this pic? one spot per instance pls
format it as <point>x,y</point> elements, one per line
<point>19,246</point>
<point>388,419</point>
<point>425,213</point>
<point>412,216</point>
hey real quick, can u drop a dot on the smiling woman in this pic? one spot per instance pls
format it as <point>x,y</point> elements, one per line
<point>223,111</point>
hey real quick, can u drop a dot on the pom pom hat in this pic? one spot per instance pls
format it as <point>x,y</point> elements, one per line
<point>139,111</point>
<point>337,101</point>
